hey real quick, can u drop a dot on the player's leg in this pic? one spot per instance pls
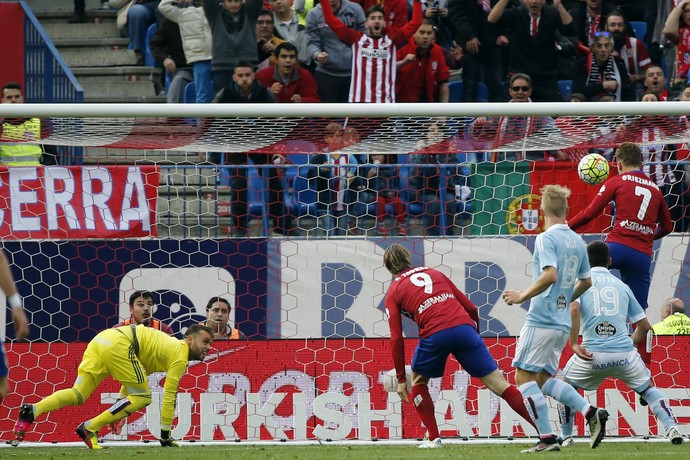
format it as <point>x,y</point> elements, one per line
<point>638,377</point>
<point>90,373</point>
<point>634,267</point>
<point>472,354</point>
<point>429,361</point>
<point>126,368</point>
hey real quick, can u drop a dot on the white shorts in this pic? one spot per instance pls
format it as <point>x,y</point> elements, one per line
<point>539,349</point>
<point>626,366</point>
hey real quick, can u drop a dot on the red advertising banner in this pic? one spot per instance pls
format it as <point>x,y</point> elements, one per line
<point>316,388</point>
<point>78,202</point>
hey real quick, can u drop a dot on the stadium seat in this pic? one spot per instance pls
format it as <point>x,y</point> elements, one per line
<point>149,60</point>
<point>640,29</point>
<point>189,93</point>
<point>565,87</point>
<point>455,89</point>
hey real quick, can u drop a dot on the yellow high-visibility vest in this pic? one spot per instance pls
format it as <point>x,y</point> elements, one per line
<point>675,324</point>
<point>302,17</point>
<point>21,154</point>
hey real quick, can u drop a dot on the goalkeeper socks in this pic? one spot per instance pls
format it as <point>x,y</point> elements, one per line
<point>58,400</point>
<point>425,408</point>
<point>660,407</point>
<point>515,400</point>
<point>535,402</point>
<point>566,417</point>
<point>566,394</point>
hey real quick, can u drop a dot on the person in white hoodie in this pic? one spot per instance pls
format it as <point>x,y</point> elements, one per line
<point>196,41</point>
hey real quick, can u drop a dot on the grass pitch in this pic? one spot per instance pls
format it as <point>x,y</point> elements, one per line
<point>383,450</point>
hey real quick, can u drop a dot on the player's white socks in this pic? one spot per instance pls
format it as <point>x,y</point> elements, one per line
<point>660,407</point>
<point>565,393</point>
<point>536,405</point>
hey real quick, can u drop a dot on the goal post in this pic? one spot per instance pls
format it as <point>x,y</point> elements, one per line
<point>145,212</point>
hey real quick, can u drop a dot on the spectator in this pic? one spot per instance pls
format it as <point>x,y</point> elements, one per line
<point>335,177</point>
<point>395,11</point>
<point>674,321</point>
<point>533,28</point>
<point>589,16</point>
<point>141,308</point>
<point>602,74</point>
<point>379,182</point>
<point>24,129</point>
<point>655,82</point>
<point>79,12</point>
<point>266,41</point>
<point>302,7</point>
<point>422,71</point>
<point>288,27</point>
<point>373,62</point>
<point>481,49</point>
<point>245,89</point>
<point>167,48</point>
<point>514,129</point>
<point>437,12</point>
<point>683,154</point>
<point>677,30</point>
<point>333,58</point>
<point>218,320</point>
<point>196,42</point>
<point>137,16</point>
<point>287,80</point>
<point>631,50</point>
<point>443,187</point>
<point>233,33</point>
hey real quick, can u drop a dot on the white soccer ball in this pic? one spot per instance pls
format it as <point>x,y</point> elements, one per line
<point>390,380</point>
<point>593,169</point>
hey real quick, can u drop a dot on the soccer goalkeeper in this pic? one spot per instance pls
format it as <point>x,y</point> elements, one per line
<point>127,353</point>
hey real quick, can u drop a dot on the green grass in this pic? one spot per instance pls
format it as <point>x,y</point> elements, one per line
<point>608,450</point>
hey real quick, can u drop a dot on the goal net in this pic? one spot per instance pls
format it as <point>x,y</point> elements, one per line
<point>285,211</point>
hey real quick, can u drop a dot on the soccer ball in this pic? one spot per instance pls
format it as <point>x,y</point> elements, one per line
<point>593,169</point>
<point>390,380</point>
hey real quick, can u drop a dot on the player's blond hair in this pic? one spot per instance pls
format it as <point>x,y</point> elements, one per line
<point>397,258</point>
<point>554,200</point>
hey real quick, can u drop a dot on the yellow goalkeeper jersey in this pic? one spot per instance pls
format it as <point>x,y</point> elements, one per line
<point>675,324</point>
<point>159,352</point>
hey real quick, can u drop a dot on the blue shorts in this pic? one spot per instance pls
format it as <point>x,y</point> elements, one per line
<point>4,370</point>
<point>463,342</point>
<point>634,267</point>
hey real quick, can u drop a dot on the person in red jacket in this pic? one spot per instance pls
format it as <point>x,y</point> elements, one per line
<point>422,71</point>
<point>287,80</point>
<point>448,324</point>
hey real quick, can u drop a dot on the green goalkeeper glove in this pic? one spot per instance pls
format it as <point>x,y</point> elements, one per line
<point>167,441</point>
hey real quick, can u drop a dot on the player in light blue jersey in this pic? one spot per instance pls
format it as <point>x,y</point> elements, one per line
<point>602,315</point>
<point>561,275</point>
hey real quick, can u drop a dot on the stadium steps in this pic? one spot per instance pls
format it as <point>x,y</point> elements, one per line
<point>97,53</point>
<point>118,156</point>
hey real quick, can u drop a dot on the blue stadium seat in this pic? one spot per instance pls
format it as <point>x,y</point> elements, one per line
<point>149,60</point>
<point>189,93</point>
<point>565,87</point>
<point>640,29</point>
<point>455,89</point>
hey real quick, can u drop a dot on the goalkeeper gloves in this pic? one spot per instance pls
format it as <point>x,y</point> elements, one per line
<point>167,441</point>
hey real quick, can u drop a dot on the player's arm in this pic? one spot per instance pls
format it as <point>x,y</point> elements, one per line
<point>21,324</point>
<point>665,223</point>
<point>344,33</point>
<point>549,276</point>
<point>411,27</point>
<point>397,344</point>
<point>497,11</point>
<point>172,383</point>
<point>580,287</point>
<point>642,327</point>
<point>578,349</point>
<point>595,208</point>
